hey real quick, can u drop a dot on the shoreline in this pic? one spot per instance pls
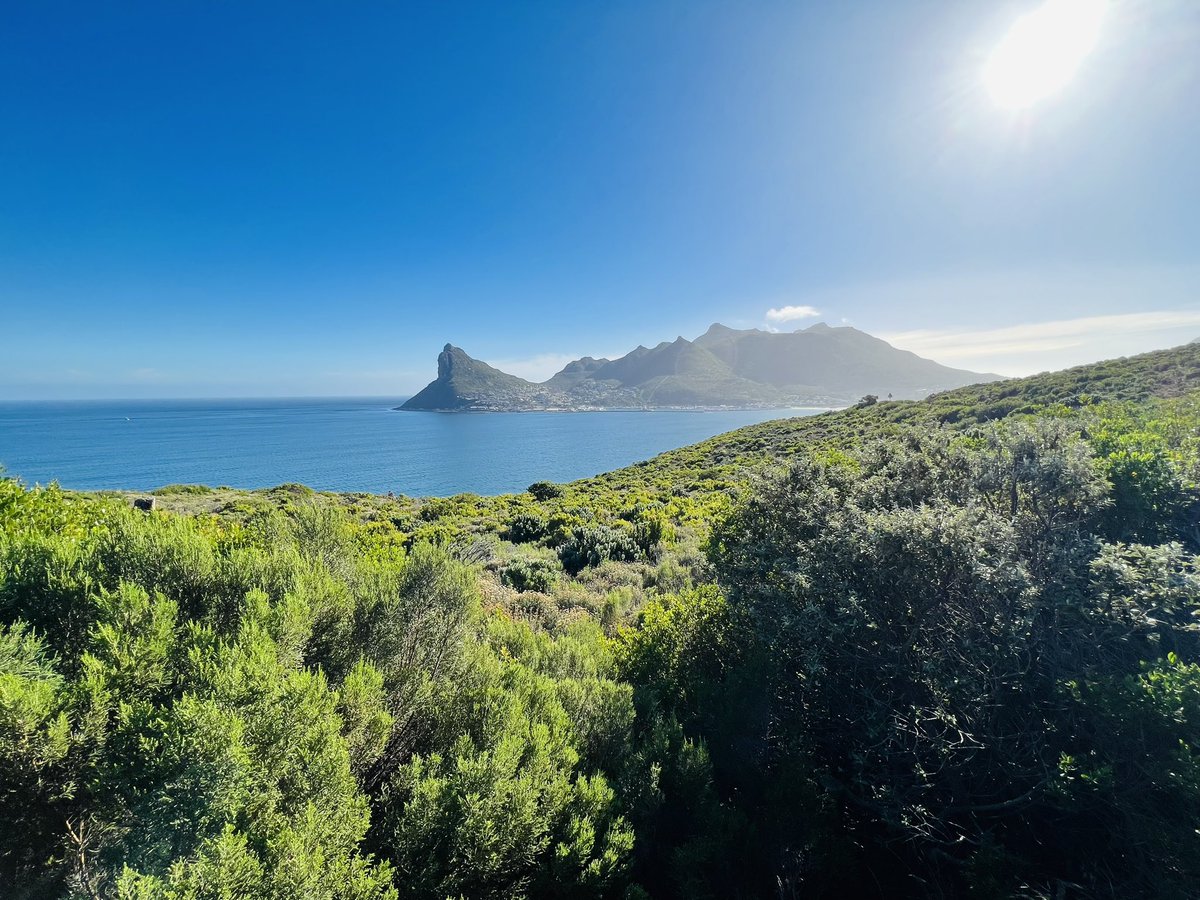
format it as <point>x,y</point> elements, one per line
<point>596,409</point>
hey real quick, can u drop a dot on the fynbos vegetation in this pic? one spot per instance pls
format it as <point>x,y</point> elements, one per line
<point>946,648</point>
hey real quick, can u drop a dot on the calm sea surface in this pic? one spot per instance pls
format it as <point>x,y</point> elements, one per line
<point>334,445</point>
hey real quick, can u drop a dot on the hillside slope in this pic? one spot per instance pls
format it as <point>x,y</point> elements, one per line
<point>1160,374</point>
<point>692,483</point>
<point>467,383</point>
<point>817,366</point>
<point>751,624</point>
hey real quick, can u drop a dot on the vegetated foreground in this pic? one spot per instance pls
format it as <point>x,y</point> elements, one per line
<point>941,648</point>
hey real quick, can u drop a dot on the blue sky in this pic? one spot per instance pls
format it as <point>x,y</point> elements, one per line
<point>210,199</point>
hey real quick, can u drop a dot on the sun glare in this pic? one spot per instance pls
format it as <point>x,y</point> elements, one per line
<point>1042,51</point>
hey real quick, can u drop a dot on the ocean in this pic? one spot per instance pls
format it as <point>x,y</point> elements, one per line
<point>354,444</point>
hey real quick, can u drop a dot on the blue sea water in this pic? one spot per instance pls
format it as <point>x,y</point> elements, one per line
<point>334,444</point>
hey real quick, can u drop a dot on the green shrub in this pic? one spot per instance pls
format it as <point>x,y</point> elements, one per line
<point>530,575</point>
<point>544,490</point>
<point>525,529</point>
<point>591,546</point>
<point>190,489</point>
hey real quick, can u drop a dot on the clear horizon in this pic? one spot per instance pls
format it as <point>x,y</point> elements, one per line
<point>534,369</point>
<point>301,201</point>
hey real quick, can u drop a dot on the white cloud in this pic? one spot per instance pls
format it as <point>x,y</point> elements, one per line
<point>791,313</point>
<point>1036,346</point>
<point>1067,315</point>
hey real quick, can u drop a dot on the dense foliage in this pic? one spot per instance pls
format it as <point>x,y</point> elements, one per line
<point>963,670</point>
<point>948,648</point>
<point>191,708</point>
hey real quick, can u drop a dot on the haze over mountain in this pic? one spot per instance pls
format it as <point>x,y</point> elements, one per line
<point>815,366</point>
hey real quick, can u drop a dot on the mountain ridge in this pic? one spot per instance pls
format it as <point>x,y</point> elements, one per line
<point>725,367</point>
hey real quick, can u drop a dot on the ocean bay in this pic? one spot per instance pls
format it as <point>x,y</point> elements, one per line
<point>335,444</point>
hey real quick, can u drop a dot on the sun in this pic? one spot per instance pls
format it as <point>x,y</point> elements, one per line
<point>1042,51</point>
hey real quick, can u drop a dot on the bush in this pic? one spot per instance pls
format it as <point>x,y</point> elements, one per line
<point>530,575</point>
<point>195,489</point>
<point>649,533</point>
<point>544,490</point>
<point>525,529</point>
<point>590,546</point>
<point>922,613</point>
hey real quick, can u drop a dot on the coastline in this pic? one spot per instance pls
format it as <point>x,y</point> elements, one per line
<point>595,409</point>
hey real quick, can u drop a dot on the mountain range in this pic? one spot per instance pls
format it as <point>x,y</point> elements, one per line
<point>724,367</point>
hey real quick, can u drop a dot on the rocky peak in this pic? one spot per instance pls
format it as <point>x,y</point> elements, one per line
<point>445,362</point>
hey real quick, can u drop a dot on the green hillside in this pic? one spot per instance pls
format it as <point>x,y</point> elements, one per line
<point>945,647</point>
<point>1159,375</point>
